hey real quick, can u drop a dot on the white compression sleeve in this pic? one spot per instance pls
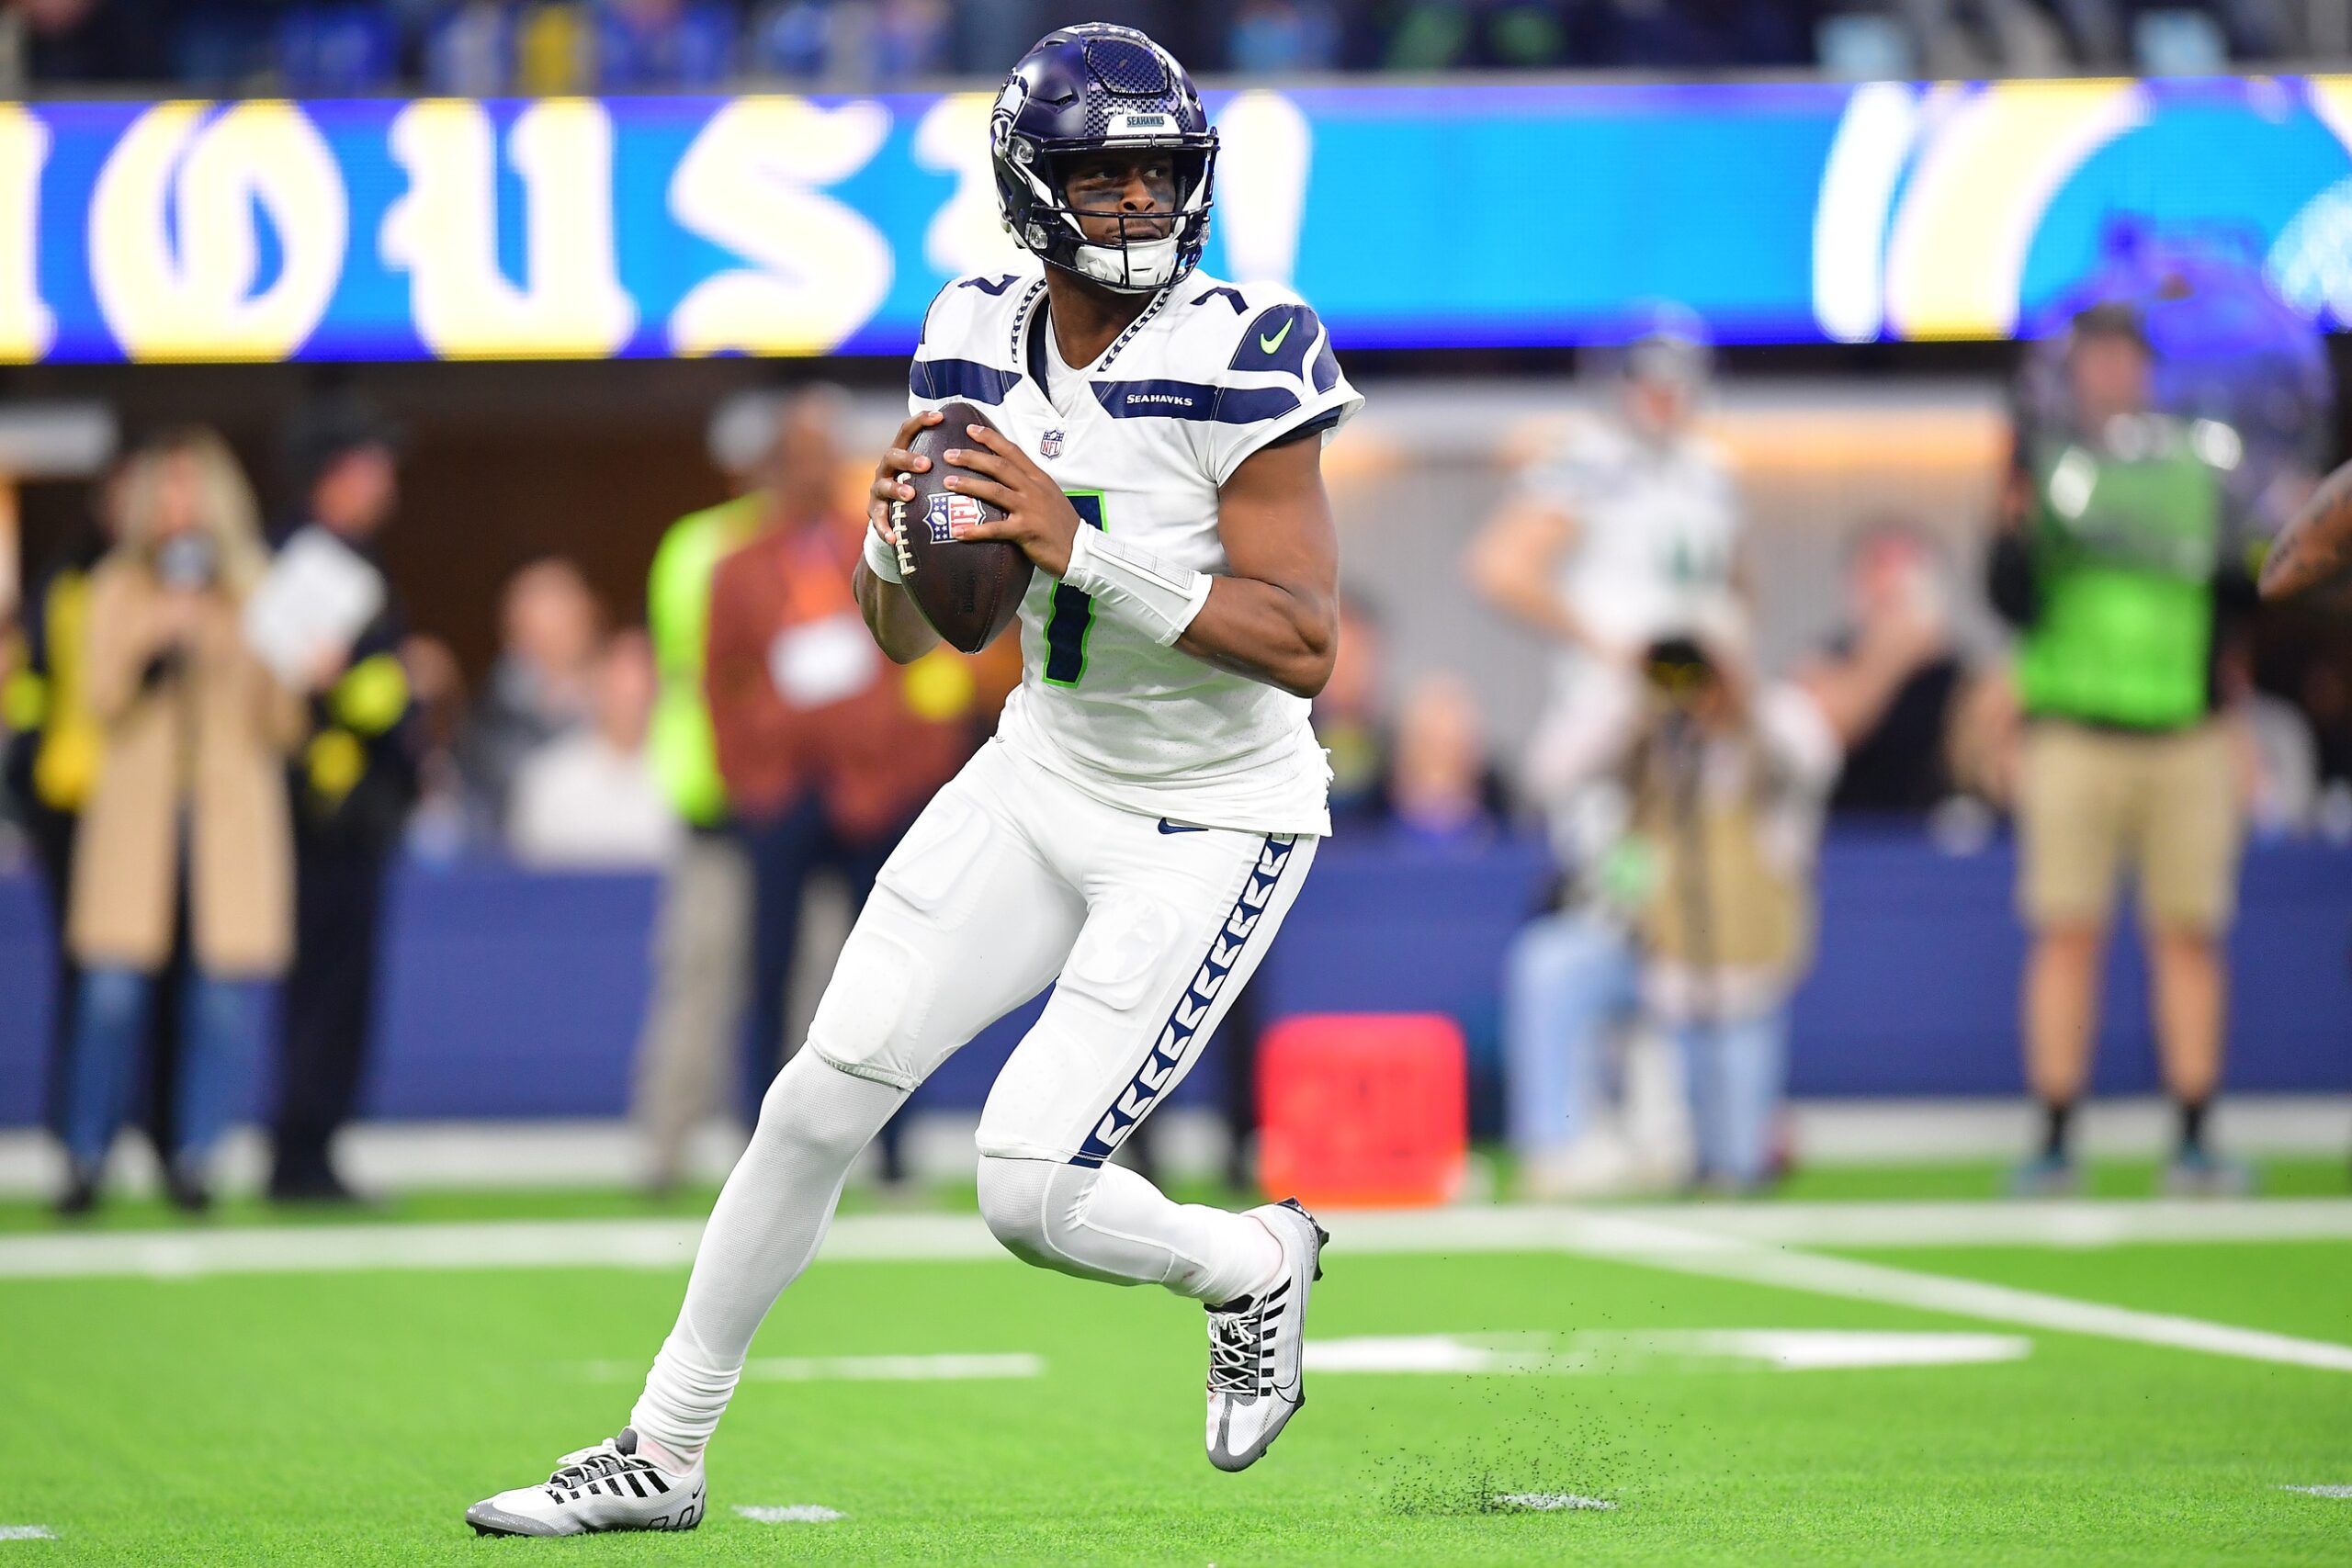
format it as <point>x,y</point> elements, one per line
<point>763,1231</point>
<point>1152,593</point>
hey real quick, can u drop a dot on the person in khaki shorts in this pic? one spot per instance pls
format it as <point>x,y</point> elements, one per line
<point>2112,566</point>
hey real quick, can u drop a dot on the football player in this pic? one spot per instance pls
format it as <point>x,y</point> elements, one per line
<point>1148,807</point>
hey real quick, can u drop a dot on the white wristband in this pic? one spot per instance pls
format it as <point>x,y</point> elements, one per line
<point>1160,598</point>
<point>880,558</point>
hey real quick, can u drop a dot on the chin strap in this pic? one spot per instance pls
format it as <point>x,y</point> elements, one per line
<point>1136,269</point>
<point>1150,594</point>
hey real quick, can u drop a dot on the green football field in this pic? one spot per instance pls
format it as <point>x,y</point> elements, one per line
<point>1818,1381</point>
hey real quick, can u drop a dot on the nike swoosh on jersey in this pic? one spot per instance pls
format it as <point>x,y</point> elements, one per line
<point>1168,826</point>
<point>1268,345</point>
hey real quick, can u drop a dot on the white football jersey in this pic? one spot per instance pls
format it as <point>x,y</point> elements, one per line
<point>1141,440</point>
<point>1657,530</point>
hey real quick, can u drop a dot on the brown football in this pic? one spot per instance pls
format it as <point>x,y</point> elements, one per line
<point>969,590</point>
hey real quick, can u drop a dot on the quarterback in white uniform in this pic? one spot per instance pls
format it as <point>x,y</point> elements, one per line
<point>1150,806</point>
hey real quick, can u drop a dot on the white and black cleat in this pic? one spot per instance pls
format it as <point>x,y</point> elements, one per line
<point>608,1487</point>
<point>1255,1345</point>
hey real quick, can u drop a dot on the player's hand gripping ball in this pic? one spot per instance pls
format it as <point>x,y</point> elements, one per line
<point>969,590</point>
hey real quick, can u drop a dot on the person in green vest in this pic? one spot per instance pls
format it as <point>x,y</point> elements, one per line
<point>2115,568</point>
<point>702,939</point>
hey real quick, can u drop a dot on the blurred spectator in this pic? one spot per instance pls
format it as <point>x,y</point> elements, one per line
<point>550,626</point>
<point>1351,721</point>
<point>470,49</point>
<point>2115,565</point>
<point>2278,757</point>
<point>652,45</point>
<point>702,943</point>
<point>555,49</point>
<point>1891,681</point>
<point>54,744</point>
<point>437,828</point>
<point>53,753</point>
<point>327,51</point>
<point>191,802</point>
<point>1284,36</point>
<point>591,799</point>
<point>1442,790</point>
<point>351,793</point>
<point>70,41</point>
<point>828,750</point>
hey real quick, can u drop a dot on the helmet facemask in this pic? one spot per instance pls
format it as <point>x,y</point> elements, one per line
<point>1153,250</point>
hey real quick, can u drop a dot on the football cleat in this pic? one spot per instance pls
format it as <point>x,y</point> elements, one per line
<point>1256,1345</point>
<point>608,1487</point>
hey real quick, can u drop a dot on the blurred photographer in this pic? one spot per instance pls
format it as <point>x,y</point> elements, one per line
<point>191,803</point>
<point>1727,781</point>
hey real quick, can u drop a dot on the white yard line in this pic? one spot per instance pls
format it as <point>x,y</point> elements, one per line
<point>1747,1244</point>
<point>790,1514</point>
<point>1647,1229</point>
<point>26,1532</point>
<point>1729,1257</point>
<point>1782,1349</point>
<point>2320,1490</point>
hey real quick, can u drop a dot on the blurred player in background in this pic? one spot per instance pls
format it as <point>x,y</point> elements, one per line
<point>2116,567</point>
<point>1150,805</point>
<point>1629,528</point>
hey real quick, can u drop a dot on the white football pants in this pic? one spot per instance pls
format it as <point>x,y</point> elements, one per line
<point>1011,879</point>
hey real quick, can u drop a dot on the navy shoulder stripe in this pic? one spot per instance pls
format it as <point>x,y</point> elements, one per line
<point>960,378</point>
<point>1193,400</point>
<point>1280,339</point>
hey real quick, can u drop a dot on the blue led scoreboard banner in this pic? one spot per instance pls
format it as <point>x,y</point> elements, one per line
<point>1411,216</point>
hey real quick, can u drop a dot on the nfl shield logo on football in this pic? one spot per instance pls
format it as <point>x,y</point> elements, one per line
<point>946,510</point>
<point>1050,443</point>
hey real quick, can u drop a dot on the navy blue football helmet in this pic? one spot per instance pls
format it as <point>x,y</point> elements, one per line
<point>1085,89</point>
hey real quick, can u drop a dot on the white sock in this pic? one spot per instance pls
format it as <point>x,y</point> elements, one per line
<point>763,1230</point>
<point>1109,1223</point>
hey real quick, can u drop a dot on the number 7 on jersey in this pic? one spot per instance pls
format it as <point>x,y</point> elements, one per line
<point>1071,618</point>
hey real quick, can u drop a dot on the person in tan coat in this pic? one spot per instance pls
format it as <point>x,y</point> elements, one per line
<point>191,805</point>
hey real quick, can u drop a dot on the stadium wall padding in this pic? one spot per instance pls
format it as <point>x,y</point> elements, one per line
<point>510,994</point>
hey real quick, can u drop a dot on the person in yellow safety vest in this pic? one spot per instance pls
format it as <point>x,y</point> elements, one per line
<point>353,785</point>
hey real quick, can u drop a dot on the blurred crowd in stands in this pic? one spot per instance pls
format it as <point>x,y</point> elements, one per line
<point>490,46</point>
